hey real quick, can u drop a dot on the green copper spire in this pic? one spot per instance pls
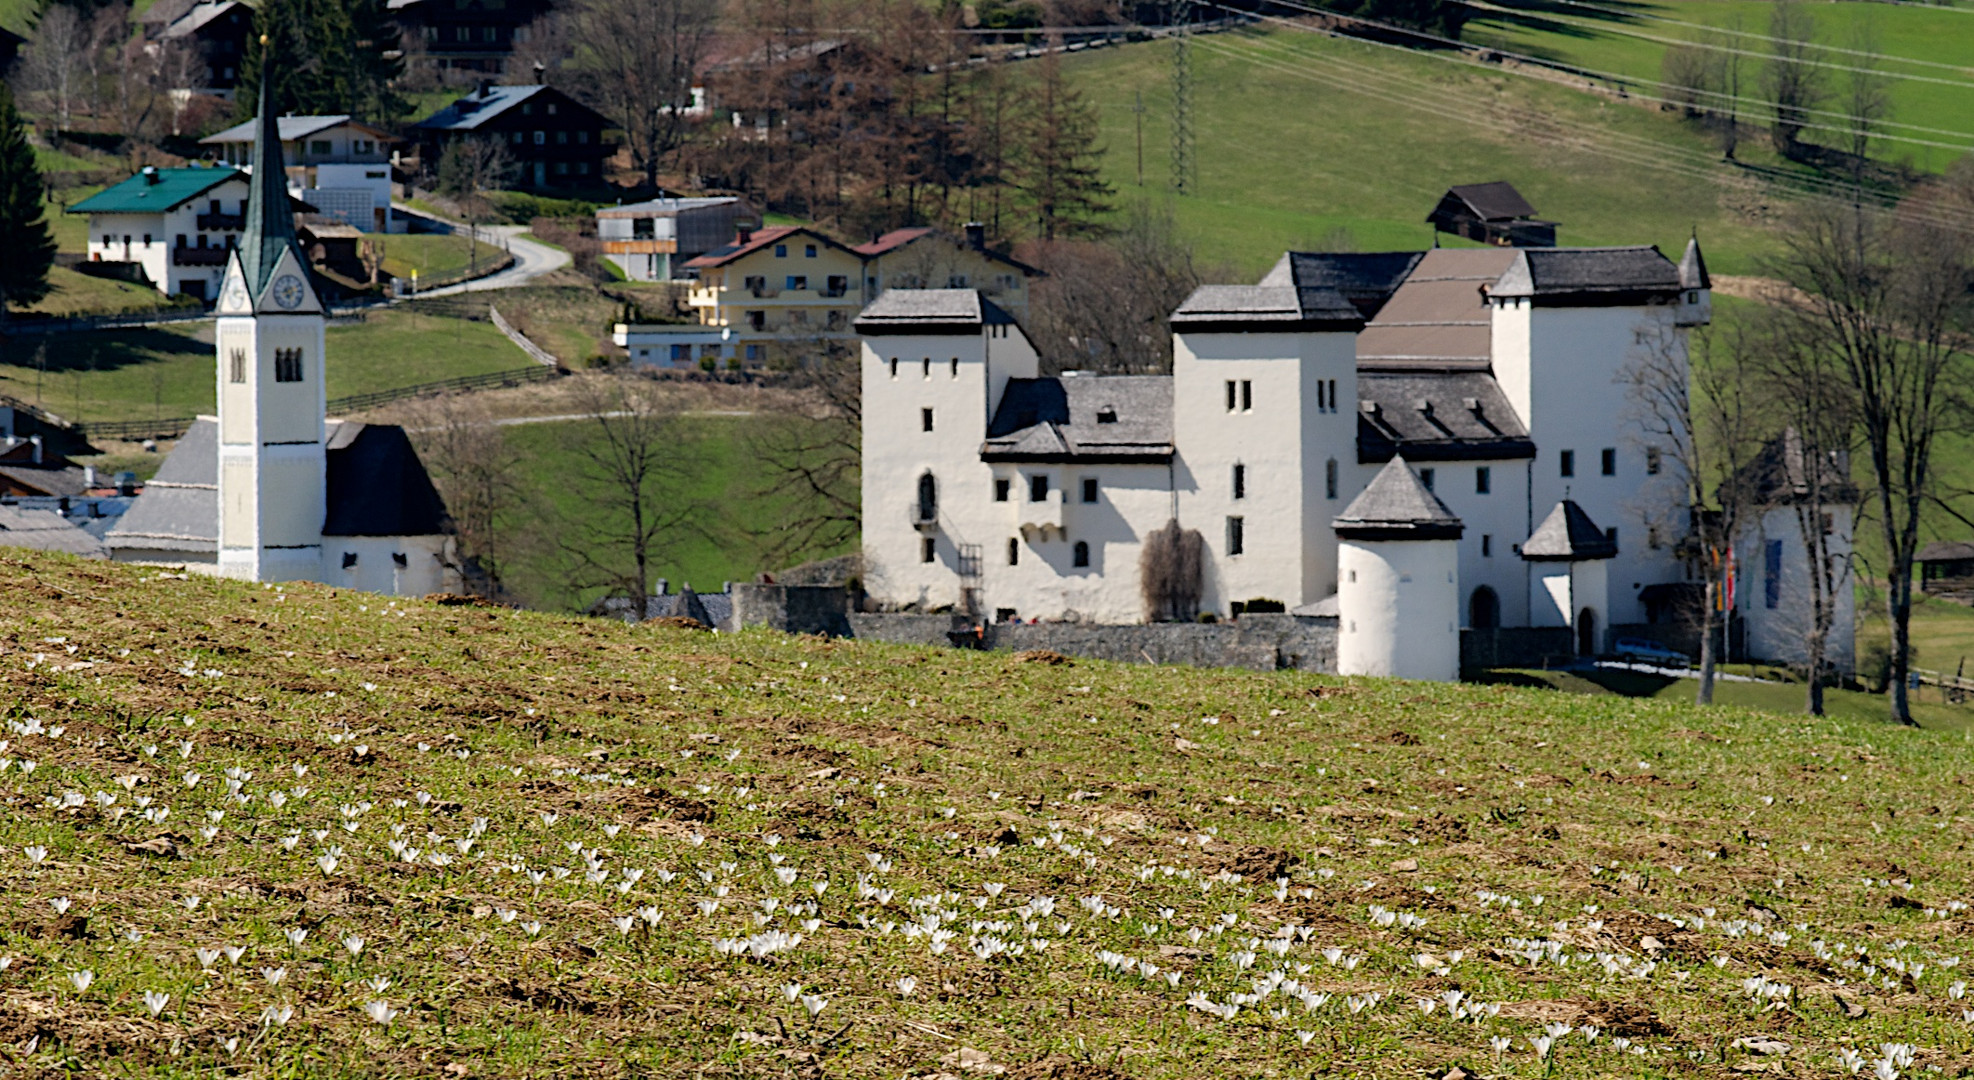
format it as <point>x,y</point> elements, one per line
<point>270,220</point>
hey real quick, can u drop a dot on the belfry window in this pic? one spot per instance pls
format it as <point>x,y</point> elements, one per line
<point>287,365</point>
<point>236,366</point>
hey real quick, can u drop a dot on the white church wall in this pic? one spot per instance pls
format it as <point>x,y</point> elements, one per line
<point>1044,580</point>
<point>1774,592</point>
<point>1398,603</point>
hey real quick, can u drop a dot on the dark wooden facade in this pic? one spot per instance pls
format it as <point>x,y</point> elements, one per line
<point>557,141</point>
<point>466,35</point>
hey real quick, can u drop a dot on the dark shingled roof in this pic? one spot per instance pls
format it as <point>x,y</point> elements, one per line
<point>1946,551</point>
<point>1589,276</point>
<point>377,485</point>
<point>1568,535</point>
<point>1397,506</point>
<point>1437,416</point>
<point>1063,420</point>
<point>1780,474</point>
<point>179,508</point>
<point>1265,308</point>
<point>1366,279</point>
<point>919,311</point>
<point>1494,201</point>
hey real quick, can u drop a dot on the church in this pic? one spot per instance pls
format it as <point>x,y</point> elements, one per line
<point>1410,443</point>
<point>271,488</point>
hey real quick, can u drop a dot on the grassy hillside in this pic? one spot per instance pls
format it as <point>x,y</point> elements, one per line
<point>1298,136</point>
<point>273,831</point>
<point>168,370</point>
<point>1923,48</point>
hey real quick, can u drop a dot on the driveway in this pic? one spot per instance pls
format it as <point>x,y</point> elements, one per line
<point>532,258</point>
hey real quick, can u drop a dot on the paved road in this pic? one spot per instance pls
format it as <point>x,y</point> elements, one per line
<point>531,260</point>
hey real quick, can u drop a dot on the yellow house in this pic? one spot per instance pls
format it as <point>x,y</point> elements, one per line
<point>923,258</point>
<point>785,282</point>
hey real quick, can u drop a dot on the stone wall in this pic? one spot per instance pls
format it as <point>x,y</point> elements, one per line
<point>1256,642</point>
<point>793,609</point>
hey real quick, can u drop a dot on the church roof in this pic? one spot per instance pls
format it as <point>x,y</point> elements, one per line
<point>1083,418</point>
<point>1396,505</point>
<point>377,487</point>
<point>1568,535</point>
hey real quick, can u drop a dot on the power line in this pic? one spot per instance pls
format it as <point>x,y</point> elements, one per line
<point>1742,33</point>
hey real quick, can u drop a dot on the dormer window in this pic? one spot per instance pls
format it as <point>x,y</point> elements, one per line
<point>1107,415</point>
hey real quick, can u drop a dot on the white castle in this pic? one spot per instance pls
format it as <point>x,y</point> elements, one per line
<point>1410,442</point>
<point>271,488</point>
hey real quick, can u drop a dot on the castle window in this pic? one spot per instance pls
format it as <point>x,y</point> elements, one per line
<point>1038,489</point>
<point>1233,396</point>
<point>1483,480</point>
<point>1652,461</point>
<point>1487,546</point>
<point>349,560</point>
<point>1566,462</point>
<point>287,365</point>
<point>1322,397</point>
<point>928,498</point>
<point>1772,574</point>
<point>925,419</point>
<point>1610,461</point>
<point>1330,479</point>
<point>1014,551</point>
<point>237,366</point>
<point>1240,481</point>
<point>956,367</point>
<point>1247,396</point>
<point>928,550</point>
<point>1652,537</point>
<point>1080,554</point>
<point>894,367</point>
<point>399,560</point>
<point>1236,535</point>
<point>1089,489</point>
<point>1001,486</point>
<point>925,368</point>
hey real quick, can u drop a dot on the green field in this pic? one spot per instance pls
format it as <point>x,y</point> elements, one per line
<point>1767,696</point>
<point>436,256</point>
<point>1936,91</point>
<point>315,832</point>
<point>1300,137</point>
<point>168,370</point>
<point>720,544</point>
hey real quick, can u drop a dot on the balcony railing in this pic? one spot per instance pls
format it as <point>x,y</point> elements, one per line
<point>197,256</point>
<point>222,222</point>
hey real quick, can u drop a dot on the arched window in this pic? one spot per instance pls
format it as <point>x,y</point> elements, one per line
<point>1586,632</point>
<point>1483,609</point>
<point>928,498</point>
<point>1080,554</point>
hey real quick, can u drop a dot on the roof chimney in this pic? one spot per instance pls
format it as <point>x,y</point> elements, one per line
<point>150,174</point>
<point>976,235</point>
<point>541,73</point>
<point>36,440</point>
<point>743,233</point>
<point>486,89</point>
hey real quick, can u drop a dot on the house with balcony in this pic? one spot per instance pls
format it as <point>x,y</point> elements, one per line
<point>653,240</point>
<point>465,35</point>
<point>555,140</point>
<point>787,282</point>
<point>338,165</point>
<point>175,224</point>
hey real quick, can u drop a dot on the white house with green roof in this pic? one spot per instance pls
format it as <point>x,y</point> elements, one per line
<point>175,223</point>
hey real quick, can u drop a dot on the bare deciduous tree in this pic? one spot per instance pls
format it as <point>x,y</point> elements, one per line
<point>1792,81</point>
<point>475,470</point>
<point>811,460</point>
<point>641,56</point>
<point>53,62</point>
<point>470,170</point>
<point>1867,95</point>
<point>1171,572</point>
<point>1104,305</point>
<point>1697,415</point>
<point>633,467</point>
<point>1890,302</point>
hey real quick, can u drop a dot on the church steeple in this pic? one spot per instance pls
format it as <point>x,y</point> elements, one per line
<point>270,228</point>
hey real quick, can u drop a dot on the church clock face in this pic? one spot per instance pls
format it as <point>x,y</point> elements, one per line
<point>288,291</point>
<point>236,295</point>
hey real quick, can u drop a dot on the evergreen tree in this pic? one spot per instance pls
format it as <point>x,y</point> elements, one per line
<point>331,56</point>
<point>1057,169</point>
<point>25,239</point>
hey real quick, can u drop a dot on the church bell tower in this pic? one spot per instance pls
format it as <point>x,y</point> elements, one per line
<point>272,458</point>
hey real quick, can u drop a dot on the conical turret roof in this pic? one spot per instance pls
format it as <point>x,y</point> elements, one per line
<point>1568,535</point>
<point>1397,506</point>
<point>270,219</point>
<point>1693,267</point>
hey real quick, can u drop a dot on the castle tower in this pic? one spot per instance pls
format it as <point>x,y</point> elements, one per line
<point>269,340</point>
<point>1398,588</point>
<point>1571,588</point>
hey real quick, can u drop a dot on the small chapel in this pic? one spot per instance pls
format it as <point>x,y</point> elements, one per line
<point>272,488</point>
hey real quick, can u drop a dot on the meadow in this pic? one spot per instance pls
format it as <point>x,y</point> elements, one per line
<point>281,830</point>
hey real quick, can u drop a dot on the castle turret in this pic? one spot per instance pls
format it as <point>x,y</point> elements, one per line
<point>1696,298</point>
<point>1398,588</point>
<point>1570,586</point>
<point>273,485</point>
